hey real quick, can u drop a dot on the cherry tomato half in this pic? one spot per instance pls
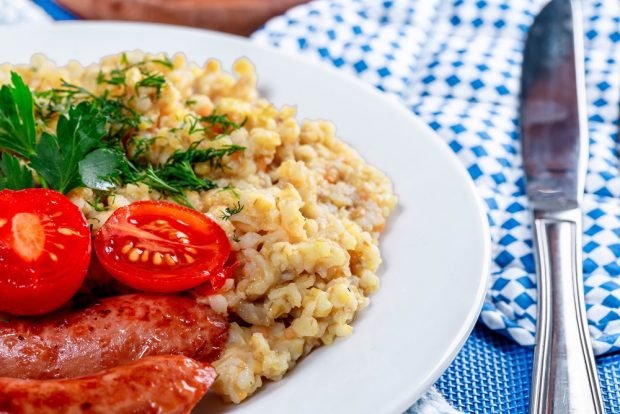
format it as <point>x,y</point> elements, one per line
<point>158,246</point>
<point>45,248</point>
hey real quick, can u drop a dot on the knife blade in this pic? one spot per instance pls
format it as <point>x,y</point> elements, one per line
<point>554,147</point>
<point>553,113</point>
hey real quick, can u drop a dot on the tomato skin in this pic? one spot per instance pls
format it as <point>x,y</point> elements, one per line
<point>162,247</point>
<point>45,248</point>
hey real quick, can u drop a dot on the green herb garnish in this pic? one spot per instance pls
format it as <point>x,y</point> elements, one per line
<point>88,146</point>
<point>232,189</point>
<point>152,80</point>
<point>215,124</point>
<point>58,156</point>
<point>228,212</point>
<point>13,175</point>
<point>17,126</point>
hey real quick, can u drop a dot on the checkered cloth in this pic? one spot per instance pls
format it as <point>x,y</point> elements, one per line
<point>457,64</point>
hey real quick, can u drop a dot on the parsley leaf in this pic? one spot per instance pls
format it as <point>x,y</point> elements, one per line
<point>13,175</point>
<point>57,157</point>
<point>17,127</point>
<point>100,169</point>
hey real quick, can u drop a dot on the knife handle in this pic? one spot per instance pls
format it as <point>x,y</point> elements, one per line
<point>564,379</point>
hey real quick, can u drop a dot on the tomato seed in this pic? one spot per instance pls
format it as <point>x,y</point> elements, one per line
<point>126,248</point>
<point>53,256</point>
<point>191,250</point>
<point>67,232</point>
<point>157,258</point>
<point>134,255</point>
<point>171,260</point>
<point>3,222</point>
<point>189,259</point>
<point>145,256</point>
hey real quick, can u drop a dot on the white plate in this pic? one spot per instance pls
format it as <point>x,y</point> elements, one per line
<point>436,249</point>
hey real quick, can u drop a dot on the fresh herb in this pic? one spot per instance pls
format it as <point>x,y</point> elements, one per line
<point>58,156</point>
<point>181,175</point>
<point>177,173</point>
<point>165,62</point>
<point>216,125</point>
<point>235,238</point>
<point>120,119</point>
<point>222,123</point>
<point>88,146</point>
<point>149,176</point>
<point>13,175</point>
<point>100,169</point>
<point>117,77</point>
<point>228,212</point>
<point>152,80</point>
<point>232,189</point>
<point>97,204</point>
<point>17,126</point>
<point>214,156</point>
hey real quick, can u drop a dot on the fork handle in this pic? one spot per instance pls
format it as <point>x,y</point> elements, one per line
<point>564,378</point>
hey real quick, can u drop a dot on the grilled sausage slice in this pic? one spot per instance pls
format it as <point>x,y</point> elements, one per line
<point>110,333</point>
<point>170,384</point>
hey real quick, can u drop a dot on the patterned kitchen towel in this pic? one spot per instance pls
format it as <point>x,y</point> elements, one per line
<point>457,64</point>
<point>21,11</point>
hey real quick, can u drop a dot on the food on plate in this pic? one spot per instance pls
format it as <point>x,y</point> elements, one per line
<point>45,245</point>
<point>161,247</point>
<point>155,384</point>
<point>194,184</point>
<point>111,332</point>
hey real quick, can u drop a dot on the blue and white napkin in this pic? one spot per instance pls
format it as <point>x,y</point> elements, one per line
<point>21,11</point>
<point>457,64</point>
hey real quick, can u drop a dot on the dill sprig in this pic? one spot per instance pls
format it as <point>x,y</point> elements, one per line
<point>228,212</point>
<point>232,189</point>
<point>120,118</point>
<point>117,76</point>
<point>214,156</point>
<point>151,80</point>
<point>216,125</point>
<point>177,174</point>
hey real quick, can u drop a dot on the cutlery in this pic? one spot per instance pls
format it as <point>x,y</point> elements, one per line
<point>554,146</point>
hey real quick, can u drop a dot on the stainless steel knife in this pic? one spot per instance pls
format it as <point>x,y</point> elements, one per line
<point>554,146</point>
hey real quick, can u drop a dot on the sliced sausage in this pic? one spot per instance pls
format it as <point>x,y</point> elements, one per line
<point>109,333</point>
<point>168,384</point>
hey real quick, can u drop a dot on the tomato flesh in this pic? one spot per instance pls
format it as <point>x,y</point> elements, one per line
<point>45,248</point>
<point>158,246</point>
